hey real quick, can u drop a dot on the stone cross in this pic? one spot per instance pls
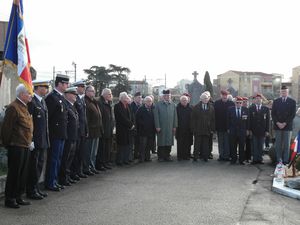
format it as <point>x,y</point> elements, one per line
<point>195,75</point>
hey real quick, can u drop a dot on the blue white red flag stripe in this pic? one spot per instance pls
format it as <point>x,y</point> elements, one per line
<point>16,51</point>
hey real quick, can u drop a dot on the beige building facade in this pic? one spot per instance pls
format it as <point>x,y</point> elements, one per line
<point>249,83</point>
<point>296,84</point>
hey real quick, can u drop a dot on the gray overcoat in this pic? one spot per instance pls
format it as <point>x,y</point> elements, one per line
<point>165,117</point>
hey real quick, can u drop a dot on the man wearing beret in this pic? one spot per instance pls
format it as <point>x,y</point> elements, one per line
<point>238,127</point>
<point>16,135</point>
<point>283,113</point>
<point>58,118</point>
<point>165,117</point>
<point>259,126</point>
<point>38,109</point>
<point>221,106</point>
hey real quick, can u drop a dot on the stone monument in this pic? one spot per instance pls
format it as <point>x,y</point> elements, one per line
<point>195,89</point>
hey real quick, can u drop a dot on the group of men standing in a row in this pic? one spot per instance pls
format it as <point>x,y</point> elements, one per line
<point>75,129</point>
<point>69,124</point>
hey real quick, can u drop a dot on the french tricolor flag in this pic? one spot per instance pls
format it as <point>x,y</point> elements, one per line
<point>16,51</point>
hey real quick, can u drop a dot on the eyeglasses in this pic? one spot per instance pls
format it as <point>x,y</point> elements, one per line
<point>238,102</point>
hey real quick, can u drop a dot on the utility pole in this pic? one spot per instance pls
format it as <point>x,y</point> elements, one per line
<point>53,73</point>
<point>74,64</point>
<point>165,80</point>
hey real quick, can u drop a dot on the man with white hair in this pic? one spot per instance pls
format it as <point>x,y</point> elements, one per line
<point>202,125</point>
<point>144,119</point>
<point>104,150</point>
<point>124,124</point>
<point>184,133</point>
<point>165,117</point>
<point>17,130</point>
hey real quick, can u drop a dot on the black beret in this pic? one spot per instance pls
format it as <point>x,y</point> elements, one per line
<point>166,92</point>
<point>137,94</point>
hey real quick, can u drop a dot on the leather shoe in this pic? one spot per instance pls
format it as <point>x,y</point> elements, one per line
<point>53,188</point>
<point>107,167</point>
<point>81,175</point>
<point>12,204</point>
<point>35,196</point>
<point>60,186</point>
<point>75,177</point>
<point>43,194</point>
<point>72,181</point>
<point>21,201</point>
<point>65,183</point>
<point>89,173</point>
<point>242,163</point>
<point>96,171</point>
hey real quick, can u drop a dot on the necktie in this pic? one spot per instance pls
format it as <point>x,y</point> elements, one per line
<point>239,114</point>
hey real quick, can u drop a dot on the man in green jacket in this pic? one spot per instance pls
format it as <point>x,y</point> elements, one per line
<point>165,118</point>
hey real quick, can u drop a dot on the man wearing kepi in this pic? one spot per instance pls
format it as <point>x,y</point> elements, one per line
<point>165,117</point>
<point>77,164</point>
<point>259,126</point>
<point>16,135</point>
<point>38,109</point>
<point>283,113</point>
<point>58,119</point>
<point>221,106</point>
<point>70,143</point>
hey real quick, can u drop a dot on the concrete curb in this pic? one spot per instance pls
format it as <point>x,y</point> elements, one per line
<point>279,188</point>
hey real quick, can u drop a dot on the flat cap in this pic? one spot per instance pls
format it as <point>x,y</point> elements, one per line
<point>137,94</point>
<point>283,87</point>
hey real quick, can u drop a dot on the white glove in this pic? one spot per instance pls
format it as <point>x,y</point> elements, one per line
<point>31,147</point>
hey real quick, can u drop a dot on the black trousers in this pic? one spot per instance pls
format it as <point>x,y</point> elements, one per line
<point>201,146</point>
<point>67,159</point>
<point>234,142</point>
<point>136,148</point>
<point>77,164</point>
<point>17,172</point>
<point>248,150</point>
<point>35,168</point>
<point>104,152</point>
<point>163,152</point>
<point>146,144</point>
<point>184,147</point>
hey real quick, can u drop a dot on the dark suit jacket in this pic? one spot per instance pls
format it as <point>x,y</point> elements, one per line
<point>145,122</point>
<point>124,122</point>
<point>81,109</point>
<point>284,112</point>
<point>73,122</point>
<point>58,115</point>
<point>259,120</point>
<point>107,117</point>
<point>221,109</point>
<point>237,126</point>
<point>94,118</point>
<point>39,114</point>
<point>203,121</point>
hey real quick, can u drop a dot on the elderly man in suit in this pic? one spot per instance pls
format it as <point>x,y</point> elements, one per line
<point>259,119</point>
<point>238,128</point>
<point>221,107</point>
<point>124,124</point>
<point>17,129</point>
<point>58,119</point>
<point>38,109</point>
<point>202,125</point>
<point>95,130</point>
<point>283,113</point>
<point>165,117</point>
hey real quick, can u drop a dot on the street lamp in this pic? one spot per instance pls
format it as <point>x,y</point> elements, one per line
<point>74,64</point>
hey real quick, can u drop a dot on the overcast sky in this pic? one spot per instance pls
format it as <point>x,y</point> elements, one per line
<point>158,37</point>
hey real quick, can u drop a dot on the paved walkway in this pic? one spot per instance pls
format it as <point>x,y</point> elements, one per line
<point>182,193</point>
